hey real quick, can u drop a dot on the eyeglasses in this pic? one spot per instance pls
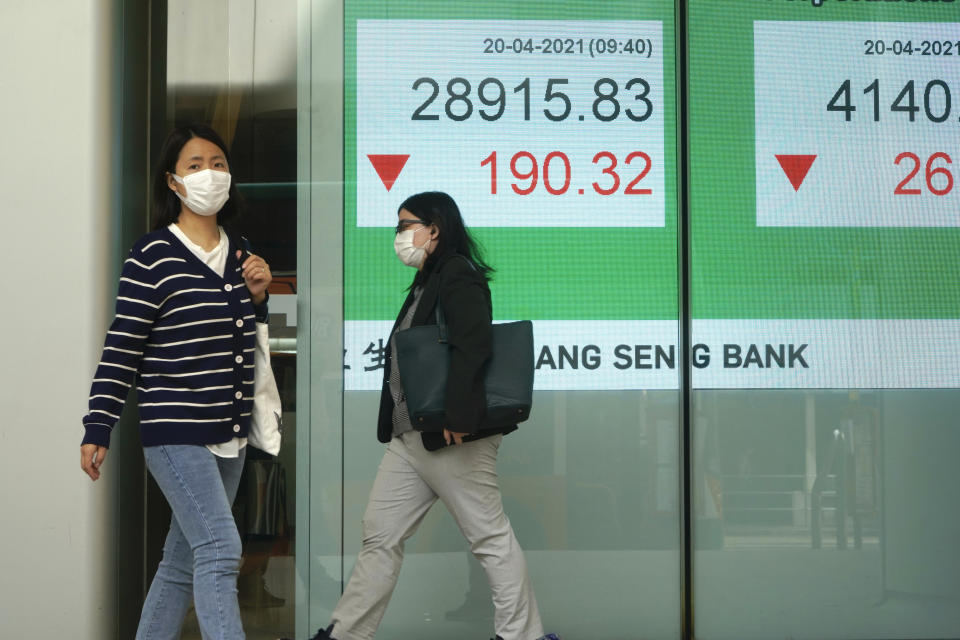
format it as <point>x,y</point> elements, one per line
<point>403,224</point>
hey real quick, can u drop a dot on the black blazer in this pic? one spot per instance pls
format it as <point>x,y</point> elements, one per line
<point>464,296</point>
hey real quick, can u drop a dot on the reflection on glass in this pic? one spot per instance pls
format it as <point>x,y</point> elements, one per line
<point>590,487</point>
<point>836,502</point>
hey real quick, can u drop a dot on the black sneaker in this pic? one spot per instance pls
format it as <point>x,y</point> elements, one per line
<point>322,634</point>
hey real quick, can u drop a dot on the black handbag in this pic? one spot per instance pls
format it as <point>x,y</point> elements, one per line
<point>423,360</point>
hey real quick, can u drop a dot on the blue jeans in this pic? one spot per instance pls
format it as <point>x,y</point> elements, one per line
<point>201,555</point>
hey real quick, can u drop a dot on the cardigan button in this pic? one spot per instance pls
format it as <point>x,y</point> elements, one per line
<point>239,323</point>
<point>238,395</point>
<point>238,359</point>
<point>236,428</point>
<point>228,287</point>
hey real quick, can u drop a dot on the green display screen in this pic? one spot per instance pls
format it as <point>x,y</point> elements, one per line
<point>553,125</point>
<point>822,205</point>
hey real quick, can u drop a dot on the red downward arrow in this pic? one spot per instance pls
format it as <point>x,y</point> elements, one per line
<point>388,167</point>
<point>796,168</point>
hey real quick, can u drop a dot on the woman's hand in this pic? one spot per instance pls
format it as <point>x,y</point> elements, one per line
<point>91,457</point>
<point>256,273</point>
<point>456,436</point>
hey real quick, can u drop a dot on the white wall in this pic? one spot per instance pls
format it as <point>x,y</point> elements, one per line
<point>57,534</point>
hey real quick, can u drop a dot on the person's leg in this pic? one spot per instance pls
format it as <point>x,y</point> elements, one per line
<point>398,502</point>
<point>199,487</point>
<point>171,591</point>
<point>465,479</point>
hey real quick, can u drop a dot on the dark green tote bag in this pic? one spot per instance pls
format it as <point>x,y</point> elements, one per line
<point>423,359</point>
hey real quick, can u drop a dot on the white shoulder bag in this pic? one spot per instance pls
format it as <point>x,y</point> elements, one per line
<point>266,421</point>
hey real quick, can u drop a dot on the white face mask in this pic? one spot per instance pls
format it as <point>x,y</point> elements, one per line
<point>207,191</point>
<point>409,253</point>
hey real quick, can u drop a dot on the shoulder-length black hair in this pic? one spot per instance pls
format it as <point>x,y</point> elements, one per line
<point>438,208</point>
<point>166,204</point>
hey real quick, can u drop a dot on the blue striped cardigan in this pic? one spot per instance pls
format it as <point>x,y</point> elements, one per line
<point>186,337</point>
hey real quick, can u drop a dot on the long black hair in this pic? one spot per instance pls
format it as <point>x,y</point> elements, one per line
<point>438,208</point>
<point>166,204</point>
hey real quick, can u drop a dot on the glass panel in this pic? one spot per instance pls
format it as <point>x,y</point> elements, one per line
<point>553,127</point>
<point>320,310</point>
<point>233,65</point>
<point>825,319</point>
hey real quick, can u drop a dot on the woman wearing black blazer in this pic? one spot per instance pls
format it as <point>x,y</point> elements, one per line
<point>462,285</point>
<point>457,465</point>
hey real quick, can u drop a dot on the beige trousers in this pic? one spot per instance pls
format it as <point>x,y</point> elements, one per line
<point>408,482</point>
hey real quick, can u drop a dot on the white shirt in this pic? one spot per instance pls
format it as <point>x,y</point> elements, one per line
<point>217,261</point>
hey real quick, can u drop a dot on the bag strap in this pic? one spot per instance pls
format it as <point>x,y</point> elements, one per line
<point>240,242</point>
<point>441,324</point>
<point>261,310</point>
<point>438,310</point>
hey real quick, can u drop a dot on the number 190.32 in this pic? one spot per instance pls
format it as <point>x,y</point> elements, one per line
<point>555,173</point>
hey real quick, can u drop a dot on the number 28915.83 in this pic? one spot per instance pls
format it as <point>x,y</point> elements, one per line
<point>557,173</point>
<point>492,94</point>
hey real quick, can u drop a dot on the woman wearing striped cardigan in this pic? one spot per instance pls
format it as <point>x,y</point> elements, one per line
<point>184,334</point>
